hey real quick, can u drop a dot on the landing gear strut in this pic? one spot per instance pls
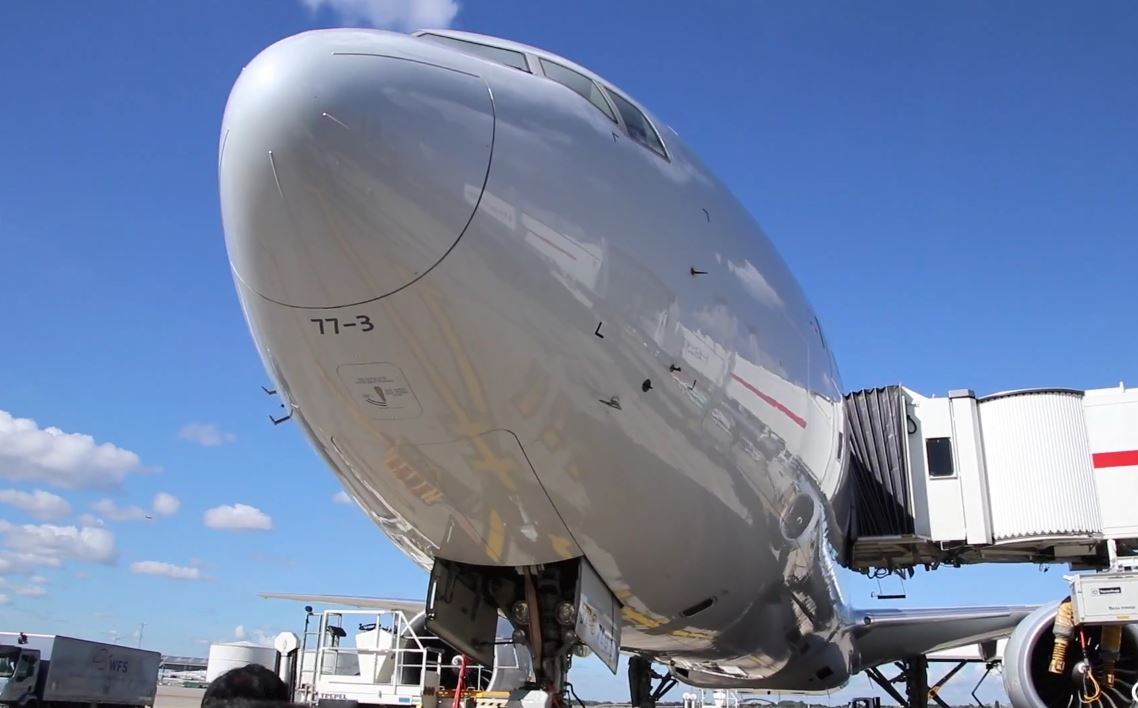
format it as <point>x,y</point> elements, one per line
<point>640,675</point>
<point>548,617</point>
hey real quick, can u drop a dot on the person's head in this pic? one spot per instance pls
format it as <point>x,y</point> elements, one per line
<point>247,685</point>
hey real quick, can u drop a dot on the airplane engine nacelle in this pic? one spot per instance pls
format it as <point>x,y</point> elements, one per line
<point>1030,684</point>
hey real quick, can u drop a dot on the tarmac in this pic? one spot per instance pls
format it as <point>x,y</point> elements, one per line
<point>178,697</point>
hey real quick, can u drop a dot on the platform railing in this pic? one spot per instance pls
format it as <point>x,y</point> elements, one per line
<point>408,652</point>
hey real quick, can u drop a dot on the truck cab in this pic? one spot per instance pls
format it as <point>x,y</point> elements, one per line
<point>19,670</point>
<point>54,671</point>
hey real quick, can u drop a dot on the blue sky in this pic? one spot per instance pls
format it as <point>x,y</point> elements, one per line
<point>953,183</point>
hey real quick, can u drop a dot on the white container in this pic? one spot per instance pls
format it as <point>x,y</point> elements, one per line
<point>1105,598</point>
<point>233,655</point>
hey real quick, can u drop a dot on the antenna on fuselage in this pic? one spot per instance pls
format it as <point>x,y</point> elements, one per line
<point>879,595</point>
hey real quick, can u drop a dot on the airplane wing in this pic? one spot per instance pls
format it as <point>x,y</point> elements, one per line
<point>882,636</point>
<point>408,607</point>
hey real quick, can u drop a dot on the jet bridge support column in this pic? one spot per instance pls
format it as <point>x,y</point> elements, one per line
<point>640,675</point>
<point>915,675</point>
<point>917,682</point>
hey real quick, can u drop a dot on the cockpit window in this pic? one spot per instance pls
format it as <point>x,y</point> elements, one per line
<point>639,127</point>
<point>579,84</point>
<point>503,56</point>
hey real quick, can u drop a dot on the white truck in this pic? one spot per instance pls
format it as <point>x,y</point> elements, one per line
<point>51,671</point>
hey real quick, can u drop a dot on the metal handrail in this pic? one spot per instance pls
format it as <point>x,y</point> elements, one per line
<point>427,659</point>
<point>412,655</point>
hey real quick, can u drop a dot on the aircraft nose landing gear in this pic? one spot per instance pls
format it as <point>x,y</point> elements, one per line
<point>547,617</point>
<point>557,610</point>
<point>640,675</point>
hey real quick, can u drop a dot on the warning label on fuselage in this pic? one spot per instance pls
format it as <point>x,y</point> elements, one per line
<point>381,390</point>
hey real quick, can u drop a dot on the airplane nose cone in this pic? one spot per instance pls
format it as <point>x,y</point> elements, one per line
<point>350,164</point>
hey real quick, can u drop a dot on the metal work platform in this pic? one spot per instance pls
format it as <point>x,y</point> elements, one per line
<point>387,658</point>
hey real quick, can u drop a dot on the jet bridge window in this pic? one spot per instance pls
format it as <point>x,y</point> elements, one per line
<point>938,455</point>
<point>497,54</point>
<point>639,127</point>
<point>579,84</point>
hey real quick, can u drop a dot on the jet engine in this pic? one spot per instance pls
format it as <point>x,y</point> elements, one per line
<point>1052,663</point>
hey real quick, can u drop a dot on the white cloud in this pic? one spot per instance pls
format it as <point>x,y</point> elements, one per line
<point>3,599</point>
<point>40,504</point>
<point>166,504</point>
<point>167,570</point>
<point>33,590</point>
<point>238,517</point>
<point>29,453</point>
<point>12,562</point>
<point>29,545</point>
<point>756,284</point>
<point>341,497</point>
<point>207,434</point>
<point>38,580</point>
<point>239,633</point>
<point>112,511</point>
<point>403,15</point>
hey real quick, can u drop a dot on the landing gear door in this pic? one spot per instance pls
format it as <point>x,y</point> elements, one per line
<point>459,613</point>
<point>598,617</point>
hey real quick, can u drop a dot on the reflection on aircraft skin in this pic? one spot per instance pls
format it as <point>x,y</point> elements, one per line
<point>557,366</point>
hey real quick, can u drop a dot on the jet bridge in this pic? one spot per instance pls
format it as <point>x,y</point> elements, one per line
<point>1035,476</point>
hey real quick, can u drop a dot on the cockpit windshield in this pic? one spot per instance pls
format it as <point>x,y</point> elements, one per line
<point>508,57</point>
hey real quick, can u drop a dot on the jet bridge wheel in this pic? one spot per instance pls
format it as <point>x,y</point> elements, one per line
<point>640,675</point>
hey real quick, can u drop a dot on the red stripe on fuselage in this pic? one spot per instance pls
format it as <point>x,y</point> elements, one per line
<point>1125,458</point>
<point>799,420</point>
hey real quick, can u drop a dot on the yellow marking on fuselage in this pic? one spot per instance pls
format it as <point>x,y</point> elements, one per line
<point>551,439</point>
<point>562,546</point>
<point>530,398</point>
<point>412,478</point>
<point>496,540</point>
<point>639,619</point>
<point>465,424</point>
<point>425,492</point>
<point>499,465</point>
<point>465,368</point>
<point>463,420</point>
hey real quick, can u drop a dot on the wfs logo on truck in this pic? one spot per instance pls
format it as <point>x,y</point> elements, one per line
<point>103,661</point>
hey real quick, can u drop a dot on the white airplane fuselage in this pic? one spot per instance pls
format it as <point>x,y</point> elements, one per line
<point>519,336</point>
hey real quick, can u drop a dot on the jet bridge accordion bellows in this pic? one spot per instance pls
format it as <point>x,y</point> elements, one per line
<point>881,499</point>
